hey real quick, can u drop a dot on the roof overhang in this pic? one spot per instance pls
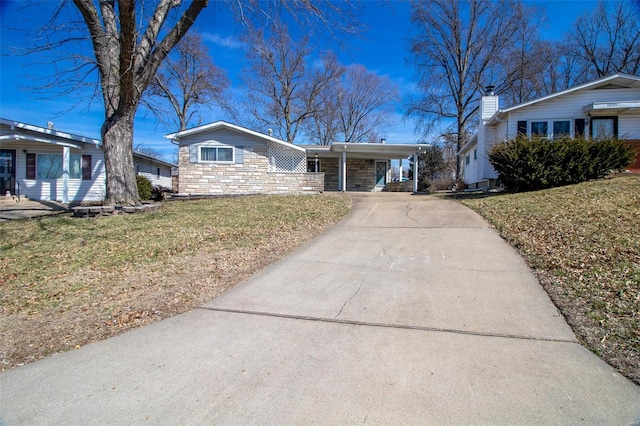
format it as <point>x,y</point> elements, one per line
<point>615,108</point>
<point>153,159</point>
<point>366,150</point>
<point>616,81</point>
<point>175,137</point>
<point>17,138</point>
<point>61,138</point>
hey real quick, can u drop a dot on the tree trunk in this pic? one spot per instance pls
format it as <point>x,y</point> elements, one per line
<point>117,137</point>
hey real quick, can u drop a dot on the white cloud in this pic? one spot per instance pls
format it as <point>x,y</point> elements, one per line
<point>228,42</point>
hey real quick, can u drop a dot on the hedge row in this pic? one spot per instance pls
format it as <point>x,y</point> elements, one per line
<point>528,164</point>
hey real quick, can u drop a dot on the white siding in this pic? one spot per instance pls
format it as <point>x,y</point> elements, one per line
<point>571,106</point>
<point>469,171</point>
<point>158,174</point>
<point>51,189</point>
<point>629,126</point>
<point>224,137</point>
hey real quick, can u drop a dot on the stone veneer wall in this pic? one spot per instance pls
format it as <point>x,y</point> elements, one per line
<point>330,167</point>
<point>360,174</point>
<point>251,177</point>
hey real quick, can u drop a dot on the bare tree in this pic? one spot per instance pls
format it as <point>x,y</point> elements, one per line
<point>354,108</point>
<point>129,41</point>
<point>148,150</point>
<point>187,80</point>
<point>607,40</point>
<point>323,126</point>
<point>283,91</point>
<point>128,55</point>
<point>563,69</point>
<point>365,104</point>
<point>456,50</point>
<point>525,59</point>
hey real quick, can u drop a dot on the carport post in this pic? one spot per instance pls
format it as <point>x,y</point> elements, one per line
<point>415,172</point>
<point>65,174</point>
<point>344,170</point>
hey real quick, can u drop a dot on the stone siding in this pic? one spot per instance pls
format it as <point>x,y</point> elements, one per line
<point>400,186</point>
<point>361,174</point>
<point>250,177</point>
<point>330,167</point>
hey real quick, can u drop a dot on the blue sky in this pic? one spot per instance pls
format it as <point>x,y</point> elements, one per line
<point>382,49</point>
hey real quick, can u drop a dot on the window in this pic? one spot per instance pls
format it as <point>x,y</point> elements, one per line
<point>158,172</point>
<point>549,128</point>
<point>561,128</point>
<point>475,154</point>
<point>311,165</point>
<point>602,127</point>
<point>217,154</point>
<point>466,160</point>
<point>539,128</point>
<point>49,166</point>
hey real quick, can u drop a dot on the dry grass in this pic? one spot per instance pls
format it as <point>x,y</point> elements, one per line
<point>583,242</point>
<point>67,282</point>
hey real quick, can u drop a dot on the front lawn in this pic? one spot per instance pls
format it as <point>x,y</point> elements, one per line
<point>67,282</point>
<point>583,243</point>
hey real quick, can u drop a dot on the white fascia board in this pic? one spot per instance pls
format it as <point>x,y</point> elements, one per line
<point>378,148</point>
<point>17,137</point>
<point>572,89</point>
<point>154,159</point>
<point>19,125</point>
<point>473,142</point>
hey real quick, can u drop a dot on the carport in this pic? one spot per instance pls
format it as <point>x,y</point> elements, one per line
<point>374,154</point>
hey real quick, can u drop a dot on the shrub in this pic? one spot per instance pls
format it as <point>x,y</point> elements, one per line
<point>158,192</point>
<point>526,164</point>
<point>144,187</point>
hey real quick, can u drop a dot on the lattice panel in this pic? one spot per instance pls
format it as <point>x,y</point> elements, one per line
<point>283,159</point>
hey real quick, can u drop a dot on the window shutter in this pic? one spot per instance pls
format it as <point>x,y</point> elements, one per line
<point>579,127</point>
<point>86,167</point>
<point>193,153</point>
<point>31,166</point>
<point>239,154</point>
<point>522,127</point>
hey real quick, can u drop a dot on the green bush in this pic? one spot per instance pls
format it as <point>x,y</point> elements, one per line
<point>144,187</point>
<point>527,164</point>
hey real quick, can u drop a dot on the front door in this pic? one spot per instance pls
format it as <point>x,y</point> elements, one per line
<point>381,173</point>
<point>7,171</point>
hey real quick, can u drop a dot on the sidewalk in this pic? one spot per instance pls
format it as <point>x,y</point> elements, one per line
<point>12,209</point>
<point>410,311</point>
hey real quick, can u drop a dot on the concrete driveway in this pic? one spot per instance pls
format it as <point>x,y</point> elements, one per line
<point>410,311</point>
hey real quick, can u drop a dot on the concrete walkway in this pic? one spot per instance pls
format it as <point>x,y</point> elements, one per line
<point>410,311</point>
<point>12,208</point>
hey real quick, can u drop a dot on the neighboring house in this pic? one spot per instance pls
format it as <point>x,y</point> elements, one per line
<point>223,158</point>
<point>607,106</point>
<point>157,171</point>
<point>48,164</point>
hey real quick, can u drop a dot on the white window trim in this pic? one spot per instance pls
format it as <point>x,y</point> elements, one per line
<point>549,122</point>
<point>216,145</point>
